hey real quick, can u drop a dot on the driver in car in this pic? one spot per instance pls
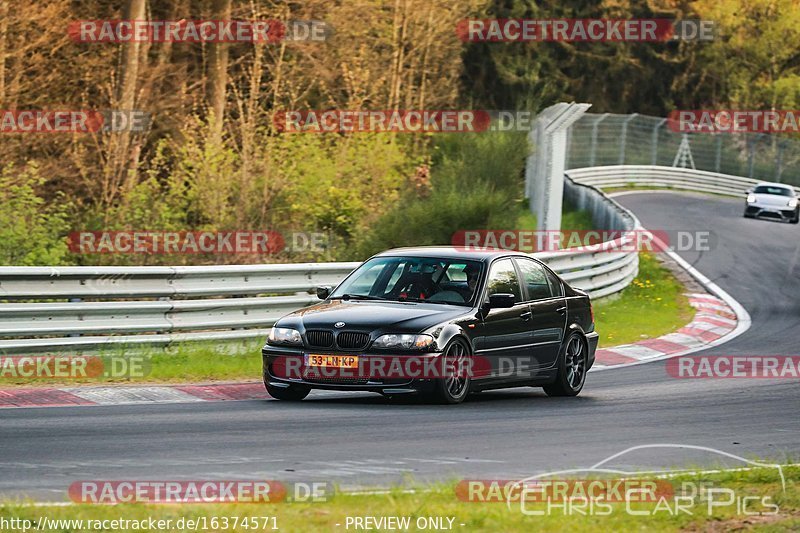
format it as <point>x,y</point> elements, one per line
<point>473,274</point>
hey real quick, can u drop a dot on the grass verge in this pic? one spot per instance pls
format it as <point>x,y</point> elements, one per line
<point>772,508</point>
<point>190,362</point>
<point>651,306</point>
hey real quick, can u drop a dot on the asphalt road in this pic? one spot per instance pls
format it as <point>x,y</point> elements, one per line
<point>362,440</point>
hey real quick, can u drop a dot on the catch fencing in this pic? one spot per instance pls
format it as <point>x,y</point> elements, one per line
<point>611,140</point>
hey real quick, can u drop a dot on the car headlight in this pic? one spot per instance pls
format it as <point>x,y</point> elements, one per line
<point>284,336</point>
<point>751,198</point>
<point>792,203</point>
<point>406,342</point>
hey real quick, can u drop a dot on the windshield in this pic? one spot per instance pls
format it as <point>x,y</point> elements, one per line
<point>768,189</point>
<point>429,279</point>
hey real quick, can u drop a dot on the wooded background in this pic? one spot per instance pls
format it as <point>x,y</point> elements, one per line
<point>211,159</point>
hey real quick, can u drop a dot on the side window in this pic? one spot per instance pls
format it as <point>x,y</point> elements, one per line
<point>555,284</point>
<point>535,279</point>
<point>503,279</point>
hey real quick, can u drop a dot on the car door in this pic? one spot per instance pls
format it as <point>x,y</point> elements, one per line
<point>544,296</point>
<point>506,332</point>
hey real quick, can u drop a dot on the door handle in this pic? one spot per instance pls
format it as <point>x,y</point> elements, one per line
<point>526,315</point>
<point>561,310</point>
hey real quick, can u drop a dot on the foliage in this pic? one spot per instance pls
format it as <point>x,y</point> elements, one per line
<point>32,229</point>
<point>180,174</point>
<point>476,182</point>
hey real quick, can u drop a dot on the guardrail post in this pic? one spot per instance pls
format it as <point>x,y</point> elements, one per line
<point>75,300</point>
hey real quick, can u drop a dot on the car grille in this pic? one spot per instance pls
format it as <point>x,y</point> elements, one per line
<point>316,378</point>
<point>319,338</point>
<point>352,340</point>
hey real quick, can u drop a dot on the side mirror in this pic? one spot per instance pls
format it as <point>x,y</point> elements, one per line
<point>323,292</point>
<point>501,300</point>
<point>751,189</point>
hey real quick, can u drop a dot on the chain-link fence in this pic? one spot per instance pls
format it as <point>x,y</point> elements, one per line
<point>608,139</point>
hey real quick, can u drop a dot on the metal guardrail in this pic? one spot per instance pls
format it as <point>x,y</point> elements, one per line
<point>183,303</point>
<point>609,268</point>
<point>165,282</point>
<point>663,177</point>
<point>88,308</point>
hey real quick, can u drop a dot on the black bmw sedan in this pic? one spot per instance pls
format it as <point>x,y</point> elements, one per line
<point>440,322</point>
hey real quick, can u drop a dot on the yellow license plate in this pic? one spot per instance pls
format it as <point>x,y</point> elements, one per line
<point>335,361</point>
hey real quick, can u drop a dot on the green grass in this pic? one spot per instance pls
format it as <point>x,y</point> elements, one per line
<point>441,501</point>
<point>192,362</point>
<point>651,306</point>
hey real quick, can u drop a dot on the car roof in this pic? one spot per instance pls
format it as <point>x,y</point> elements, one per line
<point>451,252</point>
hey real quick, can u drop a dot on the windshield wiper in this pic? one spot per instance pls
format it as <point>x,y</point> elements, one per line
<point>420,300</point>
<point>360,297</point>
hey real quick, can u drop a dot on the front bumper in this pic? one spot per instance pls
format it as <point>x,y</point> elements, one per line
<point>771,211</point>
<point>285,366</point>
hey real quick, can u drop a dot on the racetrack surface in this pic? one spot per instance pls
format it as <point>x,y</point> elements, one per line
<point>364,440</point>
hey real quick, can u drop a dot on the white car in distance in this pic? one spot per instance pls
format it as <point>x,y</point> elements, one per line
<point>772,200</point>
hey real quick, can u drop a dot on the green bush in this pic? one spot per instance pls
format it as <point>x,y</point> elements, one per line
<point>476,182</point>
<point>32,232</point>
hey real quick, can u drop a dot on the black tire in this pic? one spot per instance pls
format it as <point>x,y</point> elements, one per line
<point>747,216</point>
<point>292,393</point>
<point>796,218</point>
<point>453,389</point>
<point>572,368</point>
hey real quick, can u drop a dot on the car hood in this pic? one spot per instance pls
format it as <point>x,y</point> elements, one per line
<point>372,315</point>
<point>775,200</point>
